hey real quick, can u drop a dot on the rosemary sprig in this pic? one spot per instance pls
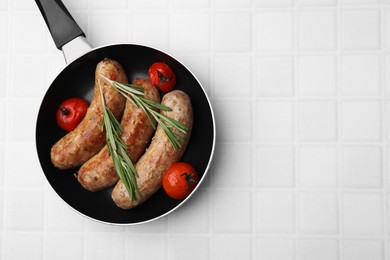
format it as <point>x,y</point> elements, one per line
<point>117,148</point>
<point>135,95</point>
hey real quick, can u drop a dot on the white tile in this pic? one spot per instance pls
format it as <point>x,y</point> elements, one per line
<point>362,214</point>
<point>22,5</point>
<point>275,166</point>
<point>274,120</point>
<point>37,83</point>
<point>226,167</point>
<point>238,129</point>
<point>273,3</point>
<point>150,4</point>
<point>317,30</point>
<point>71,246</point>
<point>26,174</point>
<point>22,203</point>
<point>3,71</point>
<point>199,65</point>
<point>231,247</point>
<point>317,75</point>
<point>190,32</point>
<point>361,121</point>
<point>362,167</point>
<point>387,120</point>
<point>190,4</point>
<point>95,226</point>
<point>362,250</point>
<point>178,247</point>
<point>4,33</point>
<point>146,22</point>
<point>4,5</point>
<point>1,213</point>
<point>228,206</point>
<point>319,249</point>
<point>3,150</point>
<point>227,85</point>
<point>359,30</point>
<point>60,217</point>
<point>279,36</point>
<point>232,32</point>
<point>22,130</point>
<point>317,120</point>
<point>3,118</point>
<point>36,36</point>
<point>274,248</point>
<point>23,246</point>
<point>103,32</point>
<point>274,212</point>
<point>360,75</point>
<point>387,75</point>
<point>274,76</point>
<point>158,226</point>
<point>359,2</point>
<point>106,5</point>
<point>104,246</point>
<point>232,4</point>
<point>386,165</point>
<point>317,166</point>
<point>316,2</point>
<point>318,213</point>
<point>193,216</point>
<point>386,24</point>
<point>147,246</point>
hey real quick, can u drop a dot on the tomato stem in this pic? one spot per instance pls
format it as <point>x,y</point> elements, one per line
<point>162,78</point>
<point>64,110</point>
<point>189,178</point>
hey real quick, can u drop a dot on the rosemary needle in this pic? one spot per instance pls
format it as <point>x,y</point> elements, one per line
<point>117,148</point>
<point>135,95</point>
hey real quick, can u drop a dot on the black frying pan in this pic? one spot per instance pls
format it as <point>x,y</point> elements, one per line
<point>77,79</point>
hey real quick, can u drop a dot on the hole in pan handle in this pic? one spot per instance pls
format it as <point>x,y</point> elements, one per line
<point>64,30</point>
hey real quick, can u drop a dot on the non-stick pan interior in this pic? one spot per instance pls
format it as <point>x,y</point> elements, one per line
<point>77,80</point>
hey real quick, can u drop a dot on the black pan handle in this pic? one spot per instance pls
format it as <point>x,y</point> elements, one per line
<point>63,28</point>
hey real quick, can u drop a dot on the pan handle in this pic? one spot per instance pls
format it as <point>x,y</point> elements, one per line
<point>64,30</point>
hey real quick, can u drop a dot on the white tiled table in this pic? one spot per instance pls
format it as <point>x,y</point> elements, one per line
<point>301,93</point>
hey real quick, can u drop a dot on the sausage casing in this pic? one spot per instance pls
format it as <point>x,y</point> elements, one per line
<point>79,145</point>
<point>99,171</point>
<point>160,154</point>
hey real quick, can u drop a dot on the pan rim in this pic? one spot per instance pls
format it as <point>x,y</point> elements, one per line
<point>212,144</point>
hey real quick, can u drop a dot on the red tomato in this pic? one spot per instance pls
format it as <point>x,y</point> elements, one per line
<point>179,180</point>
<point>162,76</point>
<point>71,112</point>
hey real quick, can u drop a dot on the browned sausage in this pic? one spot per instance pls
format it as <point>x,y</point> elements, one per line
<point>160,154</point>
<point>99,171</point>
<point>87,139</point>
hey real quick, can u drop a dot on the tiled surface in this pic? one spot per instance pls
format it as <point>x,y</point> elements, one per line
<point>301,94</point>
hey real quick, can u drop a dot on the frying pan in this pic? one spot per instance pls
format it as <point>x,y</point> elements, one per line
<point>77,80</point>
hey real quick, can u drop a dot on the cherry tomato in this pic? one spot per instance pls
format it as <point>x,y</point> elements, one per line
<point>180,180</point>
<point>162,76</point>
<point>71,112</point>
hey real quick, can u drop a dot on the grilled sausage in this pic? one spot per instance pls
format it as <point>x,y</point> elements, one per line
<point>160,154</point>
<point>87,139</point>
<point>99,171</point>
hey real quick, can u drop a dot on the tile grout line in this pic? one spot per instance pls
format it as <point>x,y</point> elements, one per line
<point>383,132</point>
<point>7,130</point>
<point>340,209</point>
<point>253,93</point>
